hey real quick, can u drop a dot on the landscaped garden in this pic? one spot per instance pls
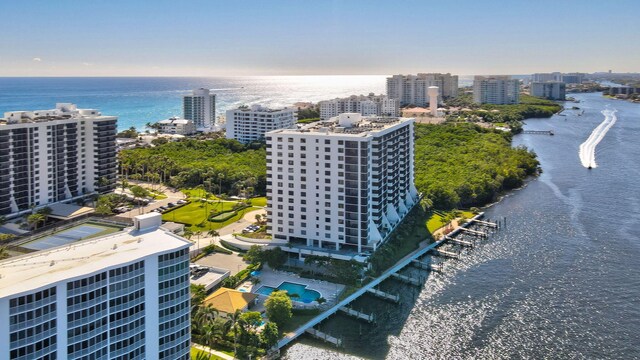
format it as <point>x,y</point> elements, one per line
<point>208,215</point>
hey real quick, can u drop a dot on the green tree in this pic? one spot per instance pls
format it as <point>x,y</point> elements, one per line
<point>278,306</point>
<point>269,335</point>
<point>35,219</point>
<point>3,253</point>
<point>254,255</point>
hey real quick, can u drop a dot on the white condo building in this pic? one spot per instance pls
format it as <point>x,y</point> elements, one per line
<point>247,124</point>
<point>49,156</point>
<point>369,105</point>
<point>177,126</point>
<point>121,296</point>
<point>341,185</point>
<point>552,90</point>
<point>200,107</point>
<point>544,77</point>
<point>413,89</point>
<point>498,90</point>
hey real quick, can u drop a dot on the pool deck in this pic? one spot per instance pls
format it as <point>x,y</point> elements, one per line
<point>274,278</point>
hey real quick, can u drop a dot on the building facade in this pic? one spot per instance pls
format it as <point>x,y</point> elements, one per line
<point>247,124</point>
<point>573,78</point>
<point>376,105</point>
<point>49,156</point>
<point>200,107</point>
<point>413,89</point>
<point>544,77</point>
<point>176,126</point>
<point>498,90</point>
<point>123,296</point>
<point>341,185</point>
<point>552,90</point>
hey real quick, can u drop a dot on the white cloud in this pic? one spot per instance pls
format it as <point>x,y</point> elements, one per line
<point>37,59</point>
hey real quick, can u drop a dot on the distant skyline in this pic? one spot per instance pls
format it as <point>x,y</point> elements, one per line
<point>339,37</point>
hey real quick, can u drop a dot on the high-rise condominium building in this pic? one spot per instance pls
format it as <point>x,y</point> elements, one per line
<point>573,78</point>
<point>412,89</point>
<point>376,105</point>
<point>552,90</point>
<point>121,296</point>
<point>247,124</point>
<point>499,90</point>
<point>342,185</point>
<point>49,156</point>
<point>200,107</point>
<point>544,77</point>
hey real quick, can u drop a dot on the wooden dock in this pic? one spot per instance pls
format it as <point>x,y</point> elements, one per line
<point>487,223</point>
<point>383,295</point>
<point>407,279</point>
<point>461,242</point>
<point>325,337</point>
<point>358,314</point>
<point>366,288</point>
<point>426,266</point>
<point>475,232</point>
<point>445,254</point>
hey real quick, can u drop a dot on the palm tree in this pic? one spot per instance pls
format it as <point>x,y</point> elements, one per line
<point>187,233</point>
<point>213,233</point>
<point>35,219</point>
<point>205,315</point>
<point>233,323</point>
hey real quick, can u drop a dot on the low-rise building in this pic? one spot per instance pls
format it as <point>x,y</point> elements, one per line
<point>247,124</point>
<point>552,90</point>
<point>228,301</point>
<point>176,125</point>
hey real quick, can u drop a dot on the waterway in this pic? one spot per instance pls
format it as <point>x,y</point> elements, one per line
<point>562,280</point>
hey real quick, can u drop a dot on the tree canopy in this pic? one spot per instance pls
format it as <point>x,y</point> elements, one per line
<point>465,165</point>
<point>278,306</point>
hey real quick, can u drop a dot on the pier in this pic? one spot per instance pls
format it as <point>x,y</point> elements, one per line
<point>461,242</point>
<point>446,254</point>
<point>487,223</point>
<point>407,279</point>
<point>426,266</point>
<point>475,232</point>
<point>383,295</point>
<point>538,132</point>
<point>308,327</point>
<point>358,314</point>
<point>323,336</point>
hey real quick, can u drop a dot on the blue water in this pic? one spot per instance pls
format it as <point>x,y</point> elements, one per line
<point>137,101</point>
<point>303,294</point>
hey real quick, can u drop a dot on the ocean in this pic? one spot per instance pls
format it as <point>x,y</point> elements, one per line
<point>137,101</point>
<point>562,280</point>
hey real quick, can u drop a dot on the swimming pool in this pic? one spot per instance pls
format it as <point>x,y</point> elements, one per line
<point>297,292</point>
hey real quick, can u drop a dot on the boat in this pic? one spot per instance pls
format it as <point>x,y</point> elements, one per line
<point>589,167</point>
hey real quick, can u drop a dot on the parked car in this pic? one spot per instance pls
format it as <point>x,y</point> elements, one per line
<point>180,201</point>
<point>171,204</point>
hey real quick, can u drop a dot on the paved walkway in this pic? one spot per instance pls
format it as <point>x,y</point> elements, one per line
<point>211,351</point>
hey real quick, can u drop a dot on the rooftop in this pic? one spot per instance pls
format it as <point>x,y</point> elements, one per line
<point>229,300</point>
<point>63,111</point>
<point>174,120</point>
<point>347,124</point>
<point>260,108</point>
<point>38,269</point>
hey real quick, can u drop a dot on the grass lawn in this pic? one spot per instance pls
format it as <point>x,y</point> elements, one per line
<point>435,219</point>
<point>195,352</point>
<point>295,322</point>
<point>196,213</point>
<point>197,193</point>
<point>259,201</point>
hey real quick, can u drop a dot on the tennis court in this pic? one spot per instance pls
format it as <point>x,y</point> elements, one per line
<point>70,235</point>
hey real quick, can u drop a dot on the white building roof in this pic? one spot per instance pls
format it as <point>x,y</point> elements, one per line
<point>348,124</point>
<point>39,269</point>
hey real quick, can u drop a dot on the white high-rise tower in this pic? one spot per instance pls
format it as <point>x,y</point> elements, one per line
<point>200,107</point>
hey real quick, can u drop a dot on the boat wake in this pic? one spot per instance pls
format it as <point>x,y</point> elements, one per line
<point>587,150</point>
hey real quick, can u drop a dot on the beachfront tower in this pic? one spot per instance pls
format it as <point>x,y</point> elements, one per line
<point>200,107</point>
<point>433,100</point>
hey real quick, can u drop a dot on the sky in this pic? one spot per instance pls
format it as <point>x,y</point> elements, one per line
<point>313,37</point>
